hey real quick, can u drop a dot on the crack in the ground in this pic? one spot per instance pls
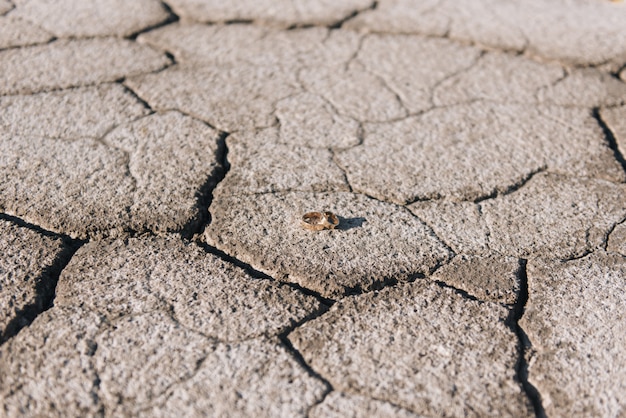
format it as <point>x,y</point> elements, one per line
<point>463,293</point>
<point>607,236</point>
<point>609,137</point>
<point>24,46</point>
<point>521,368</point>
<point>341,168</point>
<point>583,254</point>
<point>204,195</point>
<point>435,87</point>
<point>338,24</point>
<point>171,18</point>
<point>46,282</point>
<point>252,272</point>
<point>512,188</point>
<point>299,358</point>
<point>618,71</point>
<point>136,96</point>
<point>120,80</point>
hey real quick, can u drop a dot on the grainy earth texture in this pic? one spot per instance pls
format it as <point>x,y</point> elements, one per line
<point>156,158</point>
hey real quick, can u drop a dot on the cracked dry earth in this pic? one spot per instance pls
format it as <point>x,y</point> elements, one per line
<point>156,158</point>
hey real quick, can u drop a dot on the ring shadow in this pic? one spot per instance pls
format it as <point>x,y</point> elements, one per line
<point>349,223</point>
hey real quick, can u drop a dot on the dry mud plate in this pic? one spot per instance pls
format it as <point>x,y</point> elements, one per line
<point>466,159</point>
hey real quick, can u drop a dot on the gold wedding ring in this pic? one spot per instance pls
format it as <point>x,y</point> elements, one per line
<point>317,221</point>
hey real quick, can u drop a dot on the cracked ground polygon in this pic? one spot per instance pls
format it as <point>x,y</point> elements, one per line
<point>588,87</point>
<point>419,346</point>
<point>70,63</point>
<point>212,94</point>
<point>71,113</point>
<point>506,78</point>
<point>25,279</point>
<point>580,32</point>
<point>498,77</point>
<point>262,163</point>
<point>174,161</point>
<point>411,66</point>
<point>48,369</point>
<point>89,18</point>
<point>553,215</point>
<point>17,32</point>
<point>375,243</point>
<point>139,357</point>
<point>574,319</point>
<point>148,174</point>
<point>204,293</point>
<point>79,188</point>
<point>470,151</point>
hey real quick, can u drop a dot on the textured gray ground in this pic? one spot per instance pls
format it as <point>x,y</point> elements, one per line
<point>156,159</point>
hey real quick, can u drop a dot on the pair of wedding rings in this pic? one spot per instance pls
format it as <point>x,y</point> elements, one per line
<point>317,221</point>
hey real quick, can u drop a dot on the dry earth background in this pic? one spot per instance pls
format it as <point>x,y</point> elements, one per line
<point>155,158</point>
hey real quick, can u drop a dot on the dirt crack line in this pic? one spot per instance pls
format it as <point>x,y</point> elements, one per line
<point>610,138</point>
<point>512,188</point>
<point>205,194</point>
<point>521,368</point>
<point>605,241</point>
<point>299,358</point>
<point>338,25</point>
<point>171,18</point>
<point>256,274</point>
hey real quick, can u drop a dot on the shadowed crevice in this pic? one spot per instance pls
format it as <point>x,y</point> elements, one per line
<point>513,187</point>
<point>610,138</point>
<point>297,356</point>
<point>204,195</point>
<point>171,18</point>
<point>135,96</point>
<point>521,368</point>
<point>464,294</point>
<point>607,236</point>
<point>45,283</point>
<point>252,272</point>
<point>355,13</point>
